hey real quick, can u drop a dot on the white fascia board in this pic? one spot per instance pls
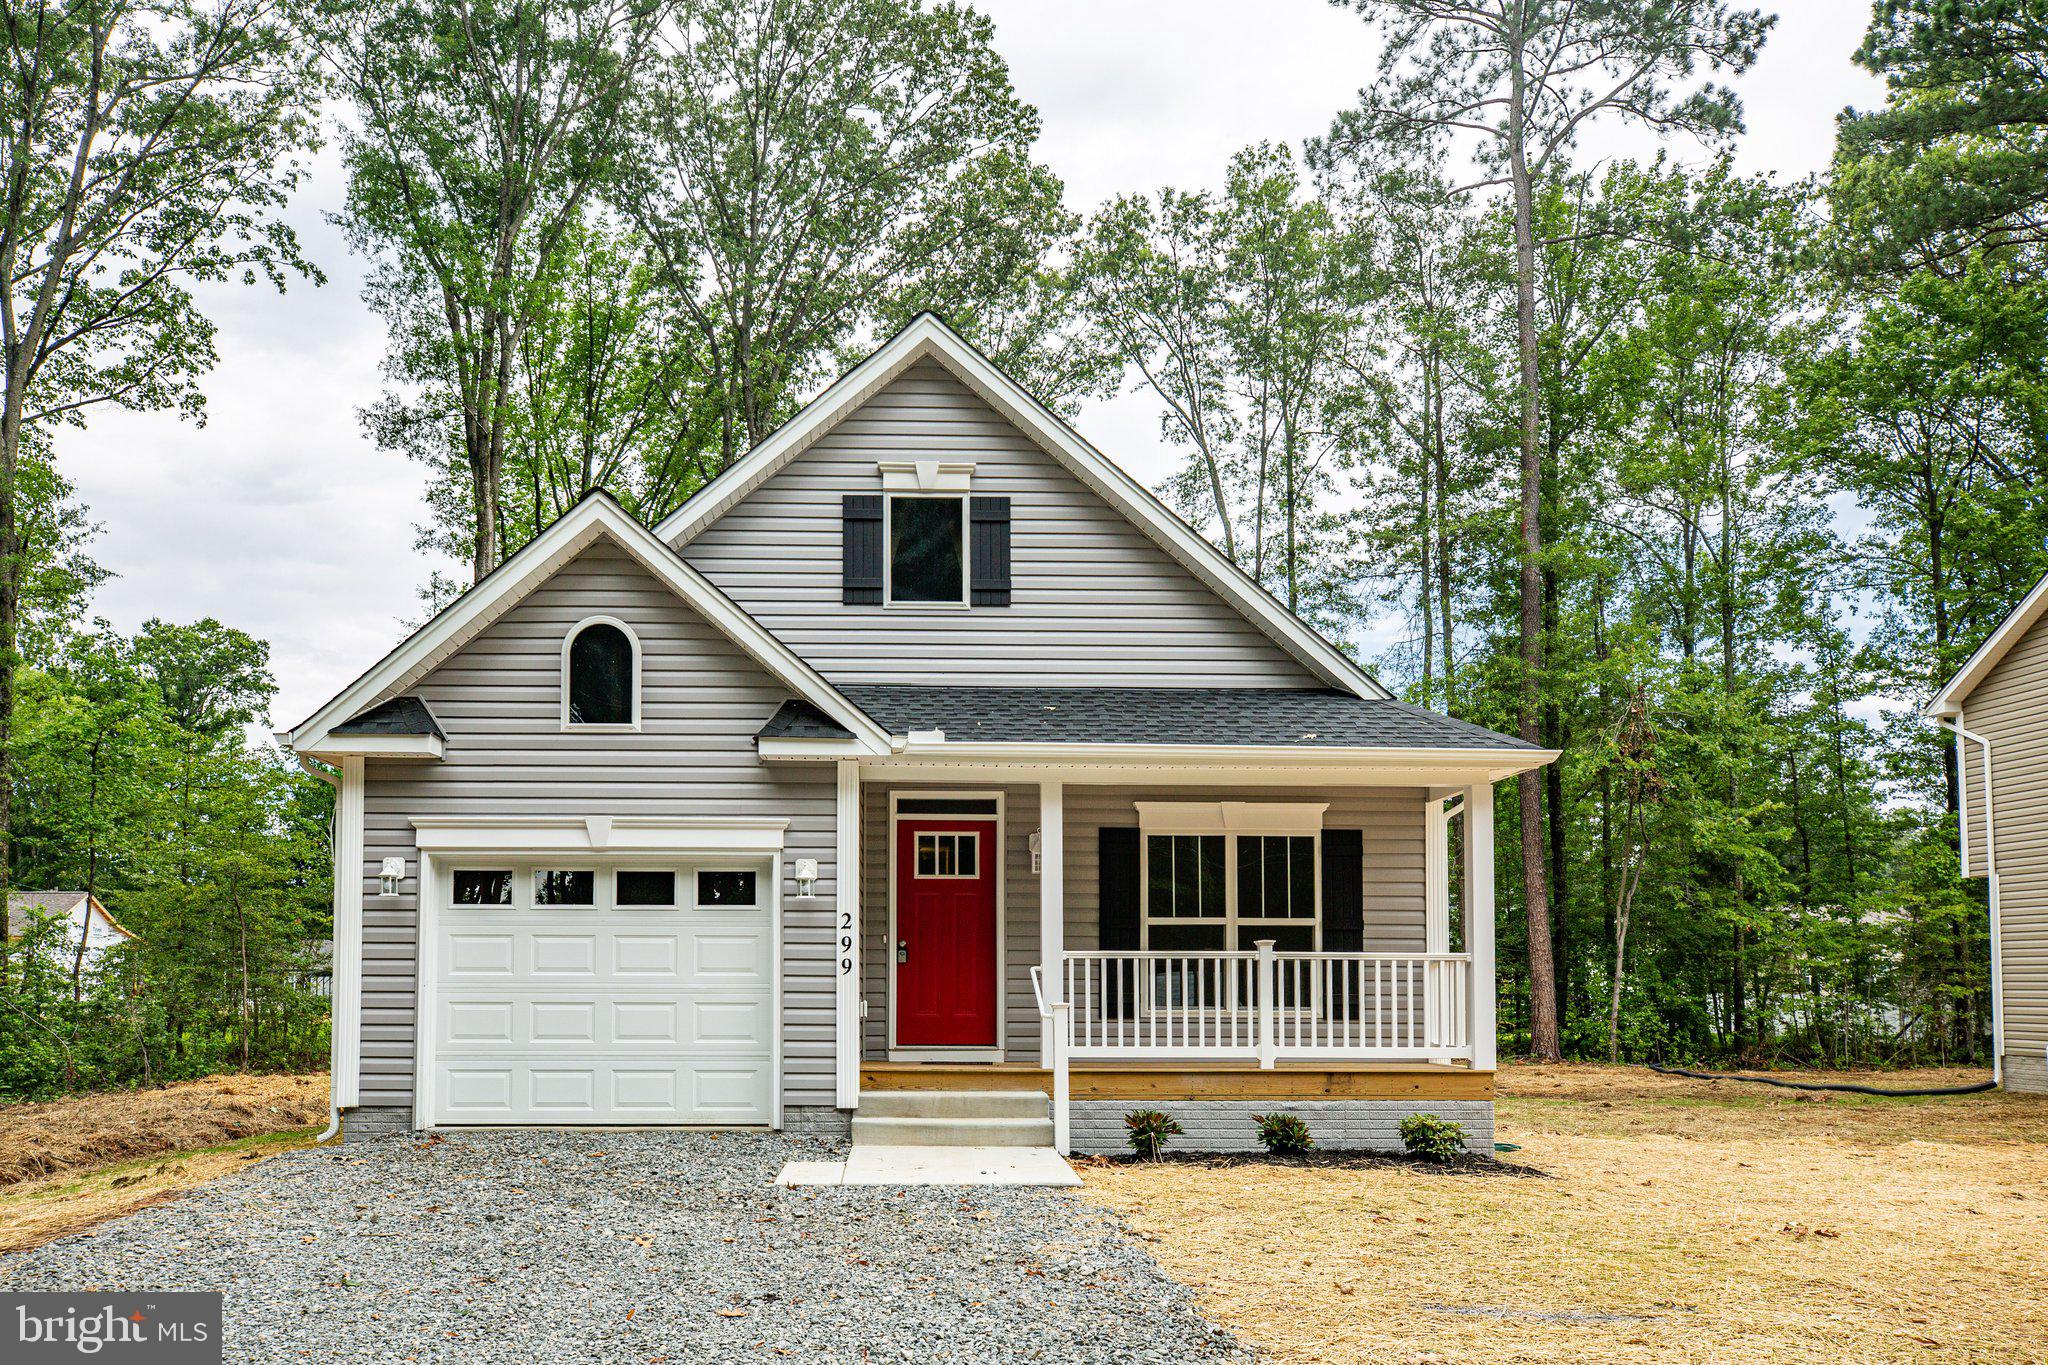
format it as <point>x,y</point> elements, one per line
<point>378,746</point>
<point>1232,755</point>
<point>928,336</point>
<point>790,748</point>
<point>1949,701</point>
<point>598,834</point>
<point>532,565</point>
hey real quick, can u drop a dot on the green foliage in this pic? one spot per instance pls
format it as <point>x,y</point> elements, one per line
<point>1283,1134</point>
<point>1432,1138</point>
<point>1147,1131</point>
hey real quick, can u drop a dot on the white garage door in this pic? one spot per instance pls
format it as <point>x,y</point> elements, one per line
<point>602,994</point>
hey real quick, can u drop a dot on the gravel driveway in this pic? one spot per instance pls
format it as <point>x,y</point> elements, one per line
<point>633,1247</point>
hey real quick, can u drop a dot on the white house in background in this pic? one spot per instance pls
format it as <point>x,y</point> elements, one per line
<point>85,920</point>
<point>921,751</point>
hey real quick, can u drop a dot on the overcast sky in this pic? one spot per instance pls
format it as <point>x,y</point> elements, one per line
<point>279,517</point>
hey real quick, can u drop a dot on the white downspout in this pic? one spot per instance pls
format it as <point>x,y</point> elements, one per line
<point>1990,877</point>
<point>333,1034</point>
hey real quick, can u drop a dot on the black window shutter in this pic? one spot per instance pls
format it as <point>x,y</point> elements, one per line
<point>860,548</point>
<point>989,551</point>
<point>1117,908</point>
<point>1343,891</point>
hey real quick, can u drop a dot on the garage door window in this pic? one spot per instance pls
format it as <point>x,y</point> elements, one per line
<point>488,886</point>
<point>574,888</point>
<point>638,890</point>
<point>718,890</point>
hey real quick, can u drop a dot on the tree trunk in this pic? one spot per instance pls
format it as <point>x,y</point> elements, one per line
<point>1543,1040</point>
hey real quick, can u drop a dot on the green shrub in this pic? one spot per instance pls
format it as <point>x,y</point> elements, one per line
<point>1283,1134</point>
<point>1432,1138</point>
<point>1149,1130</point>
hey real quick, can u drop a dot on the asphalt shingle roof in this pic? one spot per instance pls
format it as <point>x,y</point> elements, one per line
<point>399,716</point>
<point>1151,715</point>
<point>796,719</point>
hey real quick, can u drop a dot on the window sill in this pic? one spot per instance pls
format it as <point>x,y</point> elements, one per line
<point>927,606</point>
<point>574,728</point>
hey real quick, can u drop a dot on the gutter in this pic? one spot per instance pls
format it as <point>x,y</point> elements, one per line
<point>333,1035</point>
<point>1955,724</point>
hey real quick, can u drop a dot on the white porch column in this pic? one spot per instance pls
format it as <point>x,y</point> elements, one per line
<point>1436,877</point>
<point>846,935</point>
<point>346,991</point>
<point>1479,919</point>
<point>1052,899</point>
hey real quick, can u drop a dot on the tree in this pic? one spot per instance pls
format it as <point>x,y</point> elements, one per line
<point>144,149</point>
<point>482,131</point>
<point>807,170</point>
<point>1957,161</point>
<point>1522,79</point>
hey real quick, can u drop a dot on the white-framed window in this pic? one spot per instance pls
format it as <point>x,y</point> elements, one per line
<point>727,888</point>
<point>924,543</point>
<point>482,886</point>
<point>943,854</point>
<point>601,676</point>
<point>1219,876</point>
<point>564,888</point>
<point>644,888</point>
<point>633,884</point>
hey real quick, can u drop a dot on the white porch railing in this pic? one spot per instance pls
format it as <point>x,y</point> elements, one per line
<point>1267,1006</point>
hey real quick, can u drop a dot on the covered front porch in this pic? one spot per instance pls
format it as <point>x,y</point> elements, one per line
<point>1169,934</point>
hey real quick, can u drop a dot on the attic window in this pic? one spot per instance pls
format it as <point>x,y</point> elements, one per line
<point>927,551</point>
<point>600,677</point>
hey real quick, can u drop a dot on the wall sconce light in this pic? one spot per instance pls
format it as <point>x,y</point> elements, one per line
<point>806,876</point>
<point>389,874</point>
<point>1037,843</point>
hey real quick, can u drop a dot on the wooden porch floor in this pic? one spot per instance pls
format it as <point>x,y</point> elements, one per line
<point>1196,1080</point>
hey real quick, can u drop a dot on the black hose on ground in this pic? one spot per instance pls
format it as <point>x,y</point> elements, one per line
<point>1979,1088</point>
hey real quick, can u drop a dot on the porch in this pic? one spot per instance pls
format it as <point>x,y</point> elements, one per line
<point>1171,941</point>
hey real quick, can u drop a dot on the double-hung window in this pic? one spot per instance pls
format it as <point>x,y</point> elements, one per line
<point>927,550</point>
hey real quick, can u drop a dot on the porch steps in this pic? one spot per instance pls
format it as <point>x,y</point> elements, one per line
<point>953,1118</point>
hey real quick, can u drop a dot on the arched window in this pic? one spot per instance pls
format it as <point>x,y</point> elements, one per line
<point>602,683</point>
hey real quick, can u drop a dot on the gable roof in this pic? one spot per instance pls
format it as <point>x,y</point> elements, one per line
<point>62,903</point>
<point>399,716</point>
<point>597,516</point>
<point>928,337</point>
<point>1949,701</point>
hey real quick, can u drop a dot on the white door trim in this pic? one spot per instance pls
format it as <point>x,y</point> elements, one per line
<point>1002,849</point>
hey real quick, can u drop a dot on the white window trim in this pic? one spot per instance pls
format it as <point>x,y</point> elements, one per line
<point>958,836</point>
<point>1232,820</point>
<point>639,688</point>
<point>925,476</point>
<point>889,601</point>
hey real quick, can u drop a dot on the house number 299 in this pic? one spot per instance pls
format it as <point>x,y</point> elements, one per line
<point>845,942</point>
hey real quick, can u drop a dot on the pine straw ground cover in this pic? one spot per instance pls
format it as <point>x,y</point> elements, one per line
<point>68,1164</point>
<point>1683,1221</point>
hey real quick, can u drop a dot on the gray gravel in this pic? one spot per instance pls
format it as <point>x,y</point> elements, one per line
<point>633,1247</point>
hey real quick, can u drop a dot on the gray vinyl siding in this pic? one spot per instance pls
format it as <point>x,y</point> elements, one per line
<point>499,701</point>
<point>1094,600</point>
<point>2010,708</point>
<point>1391,819</point>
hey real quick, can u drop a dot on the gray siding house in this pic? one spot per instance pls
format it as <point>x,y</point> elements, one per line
<point>922,749</point>
<point>1996,708</point>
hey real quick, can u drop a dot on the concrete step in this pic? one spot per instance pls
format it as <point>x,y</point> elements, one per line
<point>954,1104</point>
<point>951,1132</point>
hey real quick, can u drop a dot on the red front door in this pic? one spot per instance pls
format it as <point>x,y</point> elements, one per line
<point>946,933</point>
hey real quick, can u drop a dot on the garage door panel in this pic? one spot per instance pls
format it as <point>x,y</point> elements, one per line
<point>595,1016</point>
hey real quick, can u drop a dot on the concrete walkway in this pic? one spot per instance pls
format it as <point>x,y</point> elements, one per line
<point>906,1165</point>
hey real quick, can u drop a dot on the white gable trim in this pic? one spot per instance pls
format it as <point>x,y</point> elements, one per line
<point>1949,701</point>
<point>597,516</point>
<point>927,336</point>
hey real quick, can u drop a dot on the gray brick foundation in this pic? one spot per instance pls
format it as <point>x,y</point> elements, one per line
<point>359,1125</point>
<point>1226,1125</point>
<point>2025,1071</point>
<point>817,1121</point>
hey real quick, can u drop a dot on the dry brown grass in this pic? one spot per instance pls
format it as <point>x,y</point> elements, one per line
<point>33,1212</point>
<point>89,1131</point>
<point>1718,1221</point>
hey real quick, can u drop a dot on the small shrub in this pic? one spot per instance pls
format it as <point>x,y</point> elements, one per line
<point>1432,1138</point>
<point>1283,1134</point>
<point>1149,1130</point>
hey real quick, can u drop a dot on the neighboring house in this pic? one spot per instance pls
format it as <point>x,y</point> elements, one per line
<point>86,922</point>
<point>921,749</point>
<point>1997,709</point>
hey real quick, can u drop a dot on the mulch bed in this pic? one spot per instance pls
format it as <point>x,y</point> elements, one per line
<point>1333,1160</point>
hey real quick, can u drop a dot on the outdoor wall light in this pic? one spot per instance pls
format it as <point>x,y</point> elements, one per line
<point>390,874</point>
<point>806,876</point>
